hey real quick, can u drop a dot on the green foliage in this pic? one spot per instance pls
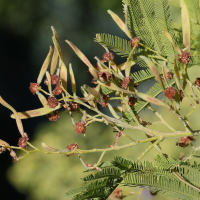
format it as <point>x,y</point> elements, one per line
<point>156,48</point>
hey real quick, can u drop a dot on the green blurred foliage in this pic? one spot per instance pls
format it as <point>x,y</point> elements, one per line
<point>48,177</point>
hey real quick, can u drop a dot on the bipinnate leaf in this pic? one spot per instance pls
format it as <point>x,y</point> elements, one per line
<point>154,70</point>
<point>36,113</point>
<point>120,23</point>
<point>83,58</point>
<point>73,83</point>
<point>185,25</point>
<point>18,120</point>
<point>150,99</point>
<point>45,66</point>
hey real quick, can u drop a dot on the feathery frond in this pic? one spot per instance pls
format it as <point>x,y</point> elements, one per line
<point>120,46</point>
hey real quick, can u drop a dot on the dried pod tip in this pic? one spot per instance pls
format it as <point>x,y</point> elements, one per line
<point>184,57</point>
<point>80,127</point>
<point>181,95</point>
<point>72,147</point>
<point>94,80</point>
<point>58,90</point>
<point>170,93</point>
<point>55,79</point>
<point>22,141</point>
<point>104,76</point>
<point>185,141</point>
<point>133,41</point>
<point>126,81</point>
<point>52,102</point>
<point>119,134</point>
<point>97,66</point>
<point>53,116</point>
<point>132,101</point>
<point>105,98</point>
<point>107,56</point>
<point>118,193</point>
<point>34,87</point>
<point>197,82</point>
<point>169,75</point>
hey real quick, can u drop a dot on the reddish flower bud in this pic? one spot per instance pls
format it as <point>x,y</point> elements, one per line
<point>52,102</point>
<point>133,41</point>
<point>126,82</point>
<point>34,87</point>
<point>169,75</point>
<point>80,127</point>
<point>118,193</point>
<point>104,76</point>
<point>108,56</point>
<point>184,57</point>
<point>132,101</point>
<point>170,93</point>
<point>185,141</point>
<point>105,98</point>
<point>55,79</point>
<point>22,141</point>
<point>97,66</point>
<point>53,117</point>
<point>197,82</point>
<point>72,147</point>
<point>74,106</point>
<point>58,90</point>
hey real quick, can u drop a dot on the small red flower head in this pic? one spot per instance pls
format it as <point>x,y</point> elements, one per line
<point>80,127</point>
<point>53,117</point>
<point>132,101</point>
<point>133,41</point>
<point>169,75</point>
<point>34,87</point>
<point>108,56</point>
<point>72,147</point>
<point>55,79</point>
<point>105,98</point>
<point>118,193</point>
<point>58,90</point>
<point>185,141</point>
<point>22,141</point>
<point>197,82</point>
<point>170,93</point>
<point>104,76</point>
<point>126,82</point>
<point>52,102</point>
<point>74,106</point>
<point>184,57</point>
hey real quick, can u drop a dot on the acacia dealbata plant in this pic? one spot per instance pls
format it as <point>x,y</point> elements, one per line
<point>164,52</point>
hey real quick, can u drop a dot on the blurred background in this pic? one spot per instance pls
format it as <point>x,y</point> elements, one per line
<point>25,37</point>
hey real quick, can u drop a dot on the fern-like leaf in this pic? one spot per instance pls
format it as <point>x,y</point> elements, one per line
<point>106,172</point>
<point>120,46</point>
